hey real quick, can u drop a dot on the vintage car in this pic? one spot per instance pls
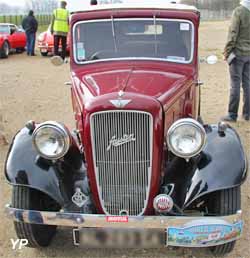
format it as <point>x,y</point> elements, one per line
<point>11,37</point>
<point>45,43</point>
<point>141,169</point>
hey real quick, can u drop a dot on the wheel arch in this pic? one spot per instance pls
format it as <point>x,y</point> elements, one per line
<point>8,42</point>
<point>2,54</point>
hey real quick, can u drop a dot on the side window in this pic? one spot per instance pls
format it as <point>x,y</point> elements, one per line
<point>8,29</point>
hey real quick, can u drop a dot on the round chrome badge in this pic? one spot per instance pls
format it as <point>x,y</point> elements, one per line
<point>163,203</point>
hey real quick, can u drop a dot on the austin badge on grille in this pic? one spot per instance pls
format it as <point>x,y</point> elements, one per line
<point>120,141</point>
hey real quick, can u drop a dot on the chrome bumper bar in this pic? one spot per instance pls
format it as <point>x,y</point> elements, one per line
<point>176,231</point>
<point>103,221</point>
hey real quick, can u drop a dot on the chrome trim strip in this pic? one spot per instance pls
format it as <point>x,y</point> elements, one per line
<point>95,221</point>
<point>134,58</point>
<point>112,180</point>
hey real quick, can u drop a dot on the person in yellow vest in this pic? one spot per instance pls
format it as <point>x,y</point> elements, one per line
<point>60,28</point>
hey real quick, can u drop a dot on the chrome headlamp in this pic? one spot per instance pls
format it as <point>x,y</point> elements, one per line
<point>51,140</point>
<point>186,138</point>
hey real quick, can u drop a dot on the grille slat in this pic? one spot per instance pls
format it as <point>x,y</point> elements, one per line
<point>122,152</point>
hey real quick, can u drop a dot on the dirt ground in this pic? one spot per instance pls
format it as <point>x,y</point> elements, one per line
<point>31,88</point>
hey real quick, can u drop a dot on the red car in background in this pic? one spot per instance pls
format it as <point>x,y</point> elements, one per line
<point>11,37</point>
<point>46,43</point>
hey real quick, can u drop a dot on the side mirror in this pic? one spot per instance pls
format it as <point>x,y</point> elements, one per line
<point>56,60</point>
<point>212,59</point>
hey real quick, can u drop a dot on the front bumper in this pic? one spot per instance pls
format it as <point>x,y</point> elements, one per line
<point>49,48</point>
<point>187,231</point>
<point>45,47</point>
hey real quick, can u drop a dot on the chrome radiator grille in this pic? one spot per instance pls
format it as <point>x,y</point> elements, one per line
<point>122,152</point>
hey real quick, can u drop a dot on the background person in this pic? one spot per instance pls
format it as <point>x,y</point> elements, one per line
<point>30,26</point>
<point>238,46</point>
<point>60,28</point>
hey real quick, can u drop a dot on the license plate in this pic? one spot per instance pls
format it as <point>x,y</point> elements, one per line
<point>44,50</point>
<point>119,238</point>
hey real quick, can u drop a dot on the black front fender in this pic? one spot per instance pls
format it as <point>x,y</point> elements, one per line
<point>24,167</point>
<point>222,165</point>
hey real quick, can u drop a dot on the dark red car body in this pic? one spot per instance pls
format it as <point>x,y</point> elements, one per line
<point>13,36</point>
<point>176,91</point>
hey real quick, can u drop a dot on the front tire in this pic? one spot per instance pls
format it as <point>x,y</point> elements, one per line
<point>30,199</point>
<point>5,50</point>
<point>224,202</point>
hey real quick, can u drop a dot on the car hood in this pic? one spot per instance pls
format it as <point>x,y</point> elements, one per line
<point>2,35</point>
<point>140,81</point>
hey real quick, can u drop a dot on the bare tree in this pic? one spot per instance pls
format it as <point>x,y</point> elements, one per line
<point>38,6</point>
<point>213,4</point>
<point>6,9</point>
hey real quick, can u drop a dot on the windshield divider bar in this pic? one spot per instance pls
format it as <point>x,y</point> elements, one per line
<point>113,32</point>
<point>156,47</point>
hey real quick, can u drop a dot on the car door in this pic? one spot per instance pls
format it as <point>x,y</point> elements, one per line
<point>14,37</point>
<point>21,37</point>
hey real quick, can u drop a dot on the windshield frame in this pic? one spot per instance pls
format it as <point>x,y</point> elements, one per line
<point>153,19</point>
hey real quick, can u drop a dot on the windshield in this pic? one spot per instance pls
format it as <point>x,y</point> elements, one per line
<point>170,40</point>
<point>4,29</point>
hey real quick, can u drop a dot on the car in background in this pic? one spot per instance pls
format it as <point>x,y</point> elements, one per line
<point>11,37</point>
<point>46,43</point>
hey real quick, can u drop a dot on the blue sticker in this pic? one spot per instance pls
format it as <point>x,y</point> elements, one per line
<point>204,235</point>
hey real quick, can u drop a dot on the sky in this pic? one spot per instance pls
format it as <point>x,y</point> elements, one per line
<point>13,2</point>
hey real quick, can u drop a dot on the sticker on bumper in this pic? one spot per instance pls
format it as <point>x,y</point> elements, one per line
<point>204,235</point>
<point>117,218</point>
